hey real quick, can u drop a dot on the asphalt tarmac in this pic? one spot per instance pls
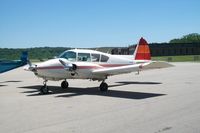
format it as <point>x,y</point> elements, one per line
<point>155,101</point>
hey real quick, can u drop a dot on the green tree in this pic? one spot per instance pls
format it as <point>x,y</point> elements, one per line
<point>190,38</point>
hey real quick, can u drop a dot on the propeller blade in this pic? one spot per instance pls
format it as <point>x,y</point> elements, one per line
<point>30,67</point>
<point>68,66</point>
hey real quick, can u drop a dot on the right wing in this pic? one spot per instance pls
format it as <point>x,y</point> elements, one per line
<point>117,70</point>
<point>132,68</point>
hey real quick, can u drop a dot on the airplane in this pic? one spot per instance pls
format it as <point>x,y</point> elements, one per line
<point>7,65</point>
<point>93,65</point>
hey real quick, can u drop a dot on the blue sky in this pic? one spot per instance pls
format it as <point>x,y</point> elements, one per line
<point>94,23</point>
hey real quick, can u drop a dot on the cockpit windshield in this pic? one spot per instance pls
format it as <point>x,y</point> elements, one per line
<point>69,55</point>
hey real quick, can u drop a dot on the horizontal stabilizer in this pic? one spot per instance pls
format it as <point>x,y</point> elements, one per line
<point>156,65</point>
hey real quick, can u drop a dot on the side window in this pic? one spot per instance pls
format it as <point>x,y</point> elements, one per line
<point>84,57</point>
<point>104,58</point>
<point>71,56</point>
<point>95,57</point>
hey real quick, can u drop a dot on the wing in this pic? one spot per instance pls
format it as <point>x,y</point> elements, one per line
<point>117,70</point>
<point>132,68</point>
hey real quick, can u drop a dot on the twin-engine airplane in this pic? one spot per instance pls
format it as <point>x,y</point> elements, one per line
<point>93,65</point>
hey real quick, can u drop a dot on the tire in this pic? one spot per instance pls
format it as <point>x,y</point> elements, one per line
<point>103,87</point>
<point>64,84</point>
<point>44,90</point>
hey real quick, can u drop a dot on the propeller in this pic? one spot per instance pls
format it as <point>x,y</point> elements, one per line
<point>30,67</point>
<point>68,66</point>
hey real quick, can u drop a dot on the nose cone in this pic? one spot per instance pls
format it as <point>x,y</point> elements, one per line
<point>30,68</point>
<point>51,69</point>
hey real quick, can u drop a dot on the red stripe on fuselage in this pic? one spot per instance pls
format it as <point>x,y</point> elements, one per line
<point>113,65</point>
<point>84,67</point>
<point>88,67</point>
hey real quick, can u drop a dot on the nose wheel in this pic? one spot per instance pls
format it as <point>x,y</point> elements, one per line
<point>103,87</point>
<point>44,89</point>
<point>64,84</point>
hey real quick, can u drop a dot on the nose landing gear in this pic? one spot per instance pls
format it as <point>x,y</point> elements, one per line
<point>64,84</point>
<point>44,89</point>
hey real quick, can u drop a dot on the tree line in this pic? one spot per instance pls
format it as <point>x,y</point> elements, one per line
<point>50,52</point>
<point>190,38</point>
<point>33,53</point>
<point>40,53</point>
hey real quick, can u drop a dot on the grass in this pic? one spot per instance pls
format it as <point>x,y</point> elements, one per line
<point>182,58</point>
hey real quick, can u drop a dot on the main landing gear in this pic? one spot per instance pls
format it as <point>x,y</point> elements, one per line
<point>103,86</point>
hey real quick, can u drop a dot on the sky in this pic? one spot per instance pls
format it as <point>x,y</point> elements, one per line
<point>95,23</point>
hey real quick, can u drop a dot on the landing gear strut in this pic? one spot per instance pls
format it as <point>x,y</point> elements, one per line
<point>64,84</point>
<point>103,86</point>
<point>44,89</point>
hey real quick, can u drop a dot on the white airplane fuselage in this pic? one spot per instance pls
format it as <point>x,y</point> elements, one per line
<point>54,70</point>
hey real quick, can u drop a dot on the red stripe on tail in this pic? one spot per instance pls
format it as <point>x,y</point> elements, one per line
<point>142,50</point>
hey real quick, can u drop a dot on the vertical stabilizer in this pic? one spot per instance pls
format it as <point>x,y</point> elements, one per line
<point>142,51</point>
<point>24,56</point>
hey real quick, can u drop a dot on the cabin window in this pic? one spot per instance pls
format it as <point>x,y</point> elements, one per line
<point>84,57</point>
<point>104,58</point>
<point>69,55</point>
<point>95,57</point>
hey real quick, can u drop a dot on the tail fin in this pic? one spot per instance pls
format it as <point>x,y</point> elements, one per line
<point>24,56</point>
<point>142,51</point>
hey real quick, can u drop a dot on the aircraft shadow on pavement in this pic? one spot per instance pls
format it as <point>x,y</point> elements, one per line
<point>75,91</point>
<point>11,81</point>
<point>2,85</point>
